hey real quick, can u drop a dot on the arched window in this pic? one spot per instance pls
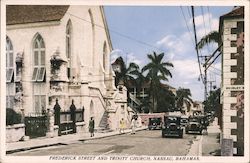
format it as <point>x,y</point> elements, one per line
<point>10,85</point>
<point>104,56</point>
<point>91,111</point>
<point>69,47</point>
<point>38,75</point>
<point>92,46</point>
<point>38,59</point>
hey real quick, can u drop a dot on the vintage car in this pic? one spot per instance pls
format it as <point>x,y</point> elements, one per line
<point>194,125</point>
<point>184,122</point>
<point>155,123</point>
<point>172,126</point>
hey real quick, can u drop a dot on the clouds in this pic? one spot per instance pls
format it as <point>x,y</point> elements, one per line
<point>205,24</point>
<point>127,57</point>
<point>181,52</point>
<point>175,46</point>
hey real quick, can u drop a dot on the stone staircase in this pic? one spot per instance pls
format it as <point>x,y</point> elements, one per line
<point>135,102</point>
<point>103,125</point>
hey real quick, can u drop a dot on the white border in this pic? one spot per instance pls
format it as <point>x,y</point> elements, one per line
<point>4,158</point>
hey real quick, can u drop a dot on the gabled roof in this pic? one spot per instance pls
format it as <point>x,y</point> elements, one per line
<point>236,12</point>
<point>21,14</point>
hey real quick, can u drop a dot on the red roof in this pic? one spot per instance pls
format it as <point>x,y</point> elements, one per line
<point>21,14</point>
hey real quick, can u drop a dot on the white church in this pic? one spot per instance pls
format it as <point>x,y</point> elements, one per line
<point>62,53</point>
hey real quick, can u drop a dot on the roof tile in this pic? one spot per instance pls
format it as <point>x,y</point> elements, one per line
<point>21,14</point>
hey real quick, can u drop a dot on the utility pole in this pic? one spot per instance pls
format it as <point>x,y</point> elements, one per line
<point>205,79</point>
<point>205,76</point>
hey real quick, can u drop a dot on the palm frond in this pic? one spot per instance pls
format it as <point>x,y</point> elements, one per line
<point>211,37</point>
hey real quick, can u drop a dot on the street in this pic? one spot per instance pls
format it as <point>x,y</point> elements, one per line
<point>144,142</point>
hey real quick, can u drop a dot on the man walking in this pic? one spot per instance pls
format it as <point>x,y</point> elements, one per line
<point>133,125</point>
<point>91,126</point>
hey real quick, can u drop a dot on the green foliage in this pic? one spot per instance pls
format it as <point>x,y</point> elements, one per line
<point>166,100</point>
<point>126,73</point>
<point>209,38</point>
<point>157,71</point>
<point>160,99</point>
<point>146,105</point>
<point>213,101</point>
<point>12,117</point>
<point>183,95</point>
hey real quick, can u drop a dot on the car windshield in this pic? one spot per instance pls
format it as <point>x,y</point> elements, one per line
<point>155,120</point>
<point>193,120</point>
<point>184,120</point>
<point>172,120</point>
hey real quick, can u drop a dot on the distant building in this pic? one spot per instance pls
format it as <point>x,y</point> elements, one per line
<point>58,53</point>
<point>232,94</point>
<point>135,95</point>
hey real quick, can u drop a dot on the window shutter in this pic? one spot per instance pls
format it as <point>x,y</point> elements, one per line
<point>9,75</point>
<point>34,74</point>
<point>41,74</point>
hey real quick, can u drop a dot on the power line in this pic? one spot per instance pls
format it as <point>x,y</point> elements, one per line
<point>189,12</point>
<point>209,21</point>
<point>215,68</point>
<point>197,52</point>
<point>204,26</point>
<point>118,33</point>
<point>187,25</point>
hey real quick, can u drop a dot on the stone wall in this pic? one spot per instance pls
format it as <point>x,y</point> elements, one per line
<point>15,132</point>
<point>233,83</point>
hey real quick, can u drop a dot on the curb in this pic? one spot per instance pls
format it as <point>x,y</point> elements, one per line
<point>68,142</point>
<point>197,144</point>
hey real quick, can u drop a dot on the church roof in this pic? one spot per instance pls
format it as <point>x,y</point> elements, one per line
<point>21,14</point>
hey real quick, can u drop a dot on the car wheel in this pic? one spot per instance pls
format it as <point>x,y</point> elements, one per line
<point>186,131</point>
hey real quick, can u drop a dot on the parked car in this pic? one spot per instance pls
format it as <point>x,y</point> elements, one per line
<point>154,123</point>
<point>172,126</point>
<point>194,125</point>
<point>184,122</point>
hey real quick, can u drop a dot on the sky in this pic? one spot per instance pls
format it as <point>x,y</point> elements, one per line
<point>139,30</point>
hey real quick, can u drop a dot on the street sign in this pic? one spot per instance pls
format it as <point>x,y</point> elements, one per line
<point>234,87</point>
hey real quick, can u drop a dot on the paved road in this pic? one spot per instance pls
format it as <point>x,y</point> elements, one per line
<point>142,143</point>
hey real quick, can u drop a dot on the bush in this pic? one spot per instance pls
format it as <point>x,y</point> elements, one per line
<point>12,117</point>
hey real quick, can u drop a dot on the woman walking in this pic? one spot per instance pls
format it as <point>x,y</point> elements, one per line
<point>91,126</point>
<point>122,125</point>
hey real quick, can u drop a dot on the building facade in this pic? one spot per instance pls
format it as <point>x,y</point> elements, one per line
<point>232,94</point>
<point>62,53</point>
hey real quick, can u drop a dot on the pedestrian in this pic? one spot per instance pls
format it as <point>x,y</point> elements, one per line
<point>91,126</point>
<point>133,125</point>
<point>122,125</point>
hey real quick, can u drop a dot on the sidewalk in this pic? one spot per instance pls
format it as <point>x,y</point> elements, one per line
<point>211,141</point>
<point>207,144</point>
<point>65,139</point>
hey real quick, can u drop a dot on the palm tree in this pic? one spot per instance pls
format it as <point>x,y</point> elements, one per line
<point>209,38</point>
<point>183,96</point>
<point>126,73</point>
<point>156,72</point>
<point>140,79</point>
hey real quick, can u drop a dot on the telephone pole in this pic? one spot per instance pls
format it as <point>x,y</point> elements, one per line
<point>205,76</point>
